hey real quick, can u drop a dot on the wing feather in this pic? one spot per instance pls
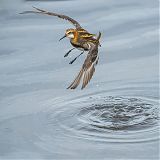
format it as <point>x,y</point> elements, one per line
<point>88,68</point>
<point>40,11</point>
<point>76,82</point>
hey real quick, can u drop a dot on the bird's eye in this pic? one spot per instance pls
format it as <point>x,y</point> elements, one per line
<point>69,32</point>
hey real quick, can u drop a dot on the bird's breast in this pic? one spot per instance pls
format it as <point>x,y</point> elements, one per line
<point>80,46</point>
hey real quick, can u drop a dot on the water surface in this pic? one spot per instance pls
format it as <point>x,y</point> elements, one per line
<point>115,117</point>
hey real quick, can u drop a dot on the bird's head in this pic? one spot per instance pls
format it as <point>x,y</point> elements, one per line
<point>69,33</point>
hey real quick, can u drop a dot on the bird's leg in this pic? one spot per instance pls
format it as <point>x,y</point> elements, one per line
<point>76,58</point>
<point>68,52</point>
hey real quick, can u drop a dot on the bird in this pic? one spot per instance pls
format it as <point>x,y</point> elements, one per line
<point>82,40</point>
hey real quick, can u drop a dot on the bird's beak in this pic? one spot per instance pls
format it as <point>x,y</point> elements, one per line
<point>62,37</point>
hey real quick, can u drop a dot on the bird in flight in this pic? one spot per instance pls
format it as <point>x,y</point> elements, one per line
<point>82,40</point>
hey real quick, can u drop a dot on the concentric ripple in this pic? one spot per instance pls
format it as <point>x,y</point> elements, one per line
<point>119,113</point>
<point>108,118</point>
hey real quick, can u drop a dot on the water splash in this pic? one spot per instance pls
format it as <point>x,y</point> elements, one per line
<point>108,118</point>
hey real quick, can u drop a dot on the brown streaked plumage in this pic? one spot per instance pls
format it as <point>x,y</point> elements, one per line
<point>88,67</point>
<point>82,40</point>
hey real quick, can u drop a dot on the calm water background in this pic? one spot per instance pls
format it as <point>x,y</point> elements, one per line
<point>115,117</point>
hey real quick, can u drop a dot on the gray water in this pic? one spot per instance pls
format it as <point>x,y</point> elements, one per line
<point>115,117</point>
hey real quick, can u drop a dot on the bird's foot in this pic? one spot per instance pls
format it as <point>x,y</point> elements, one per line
<point>68,52</point>
<point>72,60</point>
<point>76,58</point>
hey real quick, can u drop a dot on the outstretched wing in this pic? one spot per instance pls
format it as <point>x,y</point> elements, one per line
<point>87,69</point>
<point>40,11</point>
